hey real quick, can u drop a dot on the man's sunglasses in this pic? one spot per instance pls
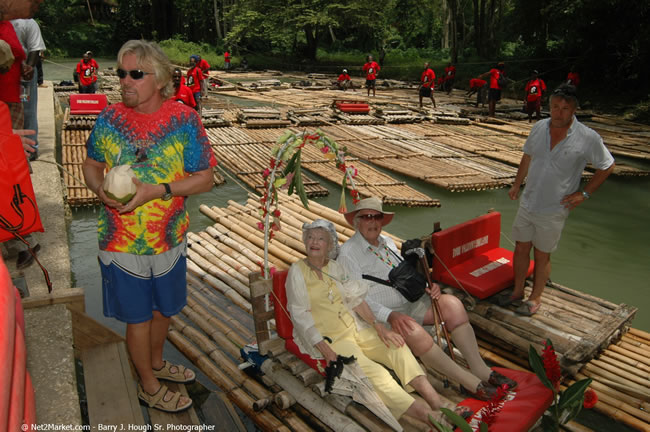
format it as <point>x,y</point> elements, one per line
<point>369,217</point>
<point>136,74</point>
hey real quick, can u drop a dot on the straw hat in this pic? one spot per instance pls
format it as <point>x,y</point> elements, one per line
<point>371,203</point>
<point>6,56</point>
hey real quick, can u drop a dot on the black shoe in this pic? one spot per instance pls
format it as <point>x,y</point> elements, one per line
<point>497,380</point>
<point>25,259</point>
<point>33,156</point>
<point>484,391</point>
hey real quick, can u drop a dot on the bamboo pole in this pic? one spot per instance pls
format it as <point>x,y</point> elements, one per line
<point>196,265</point>
<point>316,405</point>
<point>264,419</point>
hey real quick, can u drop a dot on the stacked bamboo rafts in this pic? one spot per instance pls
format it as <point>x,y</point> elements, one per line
<point>217,323</point>
<point>397,149</point>
<point>246,153</point>
<point>261,118</point>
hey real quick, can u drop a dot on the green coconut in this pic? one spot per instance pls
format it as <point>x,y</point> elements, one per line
<point>118,183</point>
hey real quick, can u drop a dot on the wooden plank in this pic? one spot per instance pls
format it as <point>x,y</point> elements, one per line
<point>88,333</point>
<point>73,297</point>
<point>163,421</point>
<point>111,391</point>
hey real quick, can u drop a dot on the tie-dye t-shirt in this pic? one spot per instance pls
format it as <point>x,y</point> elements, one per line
<point>161,147</point>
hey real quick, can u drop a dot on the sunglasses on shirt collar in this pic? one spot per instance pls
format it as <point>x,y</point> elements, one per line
<point>369,217</point>
<point>136,74</point>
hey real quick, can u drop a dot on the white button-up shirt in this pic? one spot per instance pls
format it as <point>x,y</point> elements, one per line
<point>553,174</point>
<point>359,257</point>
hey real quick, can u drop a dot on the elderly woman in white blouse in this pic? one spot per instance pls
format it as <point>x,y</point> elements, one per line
<point>323,302</point>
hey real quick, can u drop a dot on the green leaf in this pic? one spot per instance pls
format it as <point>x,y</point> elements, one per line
<point>460,422</point>
<point>300,188</point>
<point>537,364</point>
<point>574,394</point>
<point>439,426</point>
<point>291,165</point>
<point>483,427</point>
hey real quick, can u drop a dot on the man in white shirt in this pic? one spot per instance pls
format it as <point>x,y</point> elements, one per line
<point>29,35</point>
<point>555,155</point>
<point>368,252</point>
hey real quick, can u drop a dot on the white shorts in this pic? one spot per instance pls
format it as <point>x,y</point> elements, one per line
<point>543,230</point>
<point>416,310</point>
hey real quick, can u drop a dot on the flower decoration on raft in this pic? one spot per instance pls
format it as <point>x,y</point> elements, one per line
<point>285,172</point>
<point>566,404</point>
<point>481,420</point>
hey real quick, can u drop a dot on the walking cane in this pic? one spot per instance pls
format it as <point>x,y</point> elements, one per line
<point>437,313</point>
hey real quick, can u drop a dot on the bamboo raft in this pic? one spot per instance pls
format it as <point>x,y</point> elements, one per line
<point>224,290</point>
<point>246,154</point>
<point>73,153</point>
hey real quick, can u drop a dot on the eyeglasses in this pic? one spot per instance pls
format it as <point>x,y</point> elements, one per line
<point>369,217</point>
<point>136,74</point>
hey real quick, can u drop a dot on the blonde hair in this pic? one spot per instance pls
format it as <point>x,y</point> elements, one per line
<point>149,53</point>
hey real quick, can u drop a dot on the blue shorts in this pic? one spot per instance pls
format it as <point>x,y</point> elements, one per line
<point>133,286</point>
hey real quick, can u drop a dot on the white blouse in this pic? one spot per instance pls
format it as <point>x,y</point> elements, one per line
<point>305,333</point>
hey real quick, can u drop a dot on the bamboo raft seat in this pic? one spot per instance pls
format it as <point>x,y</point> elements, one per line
<point>468,256</point>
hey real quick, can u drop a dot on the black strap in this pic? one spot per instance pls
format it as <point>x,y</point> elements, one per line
<point>376,279</point>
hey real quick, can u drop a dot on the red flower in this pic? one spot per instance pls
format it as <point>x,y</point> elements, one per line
<point>260,226</point>
<point>325,149</point>
<point>494,406</point>
<point>266,173</point>
<point>551,366</point>
<point>276,213</point>
<point>272,163</point>
<point>590,399</point>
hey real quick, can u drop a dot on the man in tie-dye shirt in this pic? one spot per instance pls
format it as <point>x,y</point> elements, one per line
<point>142,243</point>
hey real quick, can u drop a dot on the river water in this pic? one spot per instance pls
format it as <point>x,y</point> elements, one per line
<point>604,249</point>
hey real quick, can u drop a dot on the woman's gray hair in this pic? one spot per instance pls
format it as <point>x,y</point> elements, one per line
<point>149,53</point>
<point>327,226</point>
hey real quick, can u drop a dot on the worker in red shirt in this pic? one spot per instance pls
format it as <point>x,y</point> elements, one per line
<point>84,75</point>
<point>494,93</point>
<point>344,81</point>
<point>205,68</point>
<point>226,60</point>
<point>94,71</point>
<point>182,92</point>
<point>477,85</point>
<point>371,69</point>
<point>427,80</point>
<point>573,77</point>
<point>534,90</point>
<point>194,78</point>
<point>450,76</point>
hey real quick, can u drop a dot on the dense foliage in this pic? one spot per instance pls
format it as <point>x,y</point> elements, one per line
<point>606,40</point>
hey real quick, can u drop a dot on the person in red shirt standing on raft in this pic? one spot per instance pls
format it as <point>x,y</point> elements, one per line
<point>371,69</point>
<point>205,68</point>
<point>477,85</point>
<point>226,60</point>
<point>534,90</point>
<point>428,79</point>
<point>194,78</point>
<point>84,75</point>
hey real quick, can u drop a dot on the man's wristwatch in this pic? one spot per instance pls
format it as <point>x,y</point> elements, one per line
<point>168,192</point>
<point>585,194</point>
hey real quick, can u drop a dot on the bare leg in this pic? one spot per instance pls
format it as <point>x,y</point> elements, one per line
<point>521,260</point>
<point>421,411</point>
<point>138,340</point>
<point>492,108</point>
<point>542,272</point>
<point>424,389</point>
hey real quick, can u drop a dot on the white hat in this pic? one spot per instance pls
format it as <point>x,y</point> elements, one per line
<point>327,226</point>
<point>372,203</point>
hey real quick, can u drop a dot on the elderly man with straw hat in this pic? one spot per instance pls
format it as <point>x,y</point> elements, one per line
<point>369,253</point>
